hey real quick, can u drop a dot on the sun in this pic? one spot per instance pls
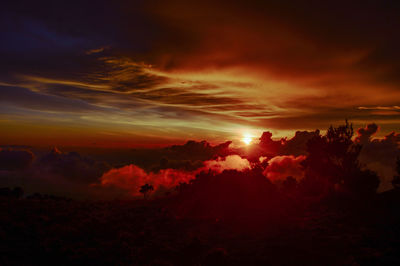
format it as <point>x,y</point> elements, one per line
<point>247,138</point>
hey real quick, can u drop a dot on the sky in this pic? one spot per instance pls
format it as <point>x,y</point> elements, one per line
<point>154,73</point>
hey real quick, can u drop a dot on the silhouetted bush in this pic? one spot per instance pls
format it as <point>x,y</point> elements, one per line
<point>146,189</point>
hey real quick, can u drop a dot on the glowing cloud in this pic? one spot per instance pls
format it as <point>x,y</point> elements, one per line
<point>230,162</point>
<point>281,167</point>
<point>131,177</point>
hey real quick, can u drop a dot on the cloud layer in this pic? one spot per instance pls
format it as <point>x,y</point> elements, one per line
<point>120,173</point>
<point>12,159</point>
<point>131,177</point>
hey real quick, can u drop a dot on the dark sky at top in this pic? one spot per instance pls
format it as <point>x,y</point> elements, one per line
<point>134,73</point>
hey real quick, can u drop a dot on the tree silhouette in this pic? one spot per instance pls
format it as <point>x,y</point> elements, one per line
<point>146,189</point>
<point>332,163</point>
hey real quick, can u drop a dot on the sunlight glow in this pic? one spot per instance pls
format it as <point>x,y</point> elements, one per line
<point>247,138</point>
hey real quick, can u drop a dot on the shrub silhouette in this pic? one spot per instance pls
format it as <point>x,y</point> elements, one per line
<point>146,189</point>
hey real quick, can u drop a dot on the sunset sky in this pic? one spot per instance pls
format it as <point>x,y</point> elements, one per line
<point>149,73</point>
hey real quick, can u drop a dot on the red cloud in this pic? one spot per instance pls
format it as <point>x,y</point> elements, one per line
<point>230,162</point>
<point>131,177</point>
<point>365,134</point>
<point>281,167</point>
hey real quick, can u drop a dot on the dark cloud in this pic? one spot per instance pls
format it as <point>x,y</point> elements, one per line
<point>201,149</point>
<point>189,156</point>
<point>269,147</point>
<point>365,134</point>
<point>298,144</point>
<point>71,166</point>
<point>168,31</point>
<point>92,175</point>
<point>15,159</point>
<point>55,172</point>
<point>283,34</point>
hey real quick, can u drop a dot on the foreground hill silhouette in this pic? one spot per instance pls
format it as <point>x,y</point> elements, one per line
<point>52,231</point>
